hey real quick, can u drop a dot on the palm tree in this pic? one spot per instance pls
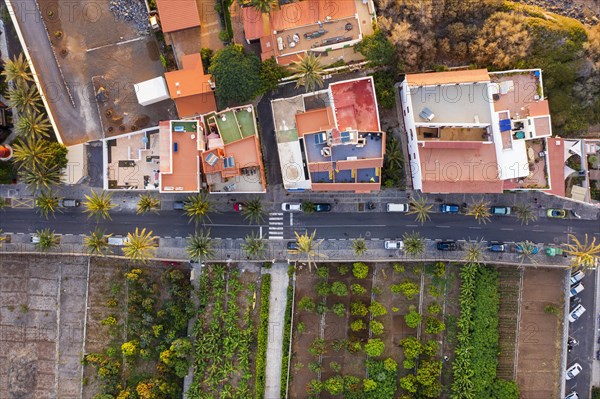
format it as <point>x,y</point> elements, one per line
<point>97,242</point>
<point>200,246</point>
<point>30,153</point>
<point>47,240</point>
<point>585,254</point>
<point>480,210</point>
<point>17,70</point>
<point>308,246</point>
<point>308,207</point>
<point>474,252</point>
<point>33,124</point>
<point>253,211</point>
<point>263,6</point>
<point>526,252</point>
<point>198,206</point>
<point>310,70</point>
<point>419,207</point>
<point>393,155</point>
<point>359,246</point>
<point>147,203</point>
<point>414,244</point>
<point>42,178</point>
<point>25,98</point>
<point>47,203</point>
<point>99,205</point>
<point>525,213</point>
<point>140,245</point>
<point>255,246</point>
<point>2,237</point>
<point>2,202</point>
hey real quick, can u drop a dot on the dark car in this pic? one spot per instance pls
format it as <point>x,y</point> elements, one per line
<point>178,205</point>
<point>322,207</point>
<point>497,247</point>
<point>238,206</point>
<point>446,246</point>
<point>449,208</point>
<point>500,210</point>
<point>292,246</point>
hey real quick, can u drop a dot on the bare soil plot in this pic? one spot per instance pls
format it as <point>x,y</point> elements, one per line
<point>540,334</point>
<point>42,312</point>
<point>509,288</point>
<point>451,309</point>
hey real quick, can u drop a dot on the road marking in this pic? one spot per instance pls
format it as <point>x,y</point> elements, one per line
<point>115,44</point>
<point>275,223</point>
<point>507,229</point>
<point>275,218</point>
<point>443,227</point>
<point>291,219</point>
<point>475,228</point>
<point>275,228</point>
<point>539,230</point>
<point>412,225</point>
<point>276,214</point>
<point>275,237</point>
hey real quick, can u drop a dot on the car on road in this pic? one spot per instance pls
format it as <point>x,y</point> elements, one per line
<point>322,207</point>
<point>575,289</point>
<point>576,313</point>
<point>572,395</point>
<point>447,246</point>
<point>577,276</point>
<point>238,206</point>
<point>178,205</point>
<point>449,208</point>
<point>396,208</point>
<point>497,247</point>
<point>292,246</point>
<point>68,203</point>
<point>500,210</point>
<point>573,371</point>
<point>571,343</point>
<point>534,249</point>
<point>291,207</point>
<point>392,244</point>
<point>35,239</point>
<point>556,213</point>
<point>118,241</point>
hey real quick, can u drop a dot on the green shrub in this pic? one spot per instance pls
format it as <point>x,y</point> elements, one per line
<point>503,389</point>
<point>322,288</point>
<point>339,309</point>
<point>412,319</point>
<point>315,367</point>
<point>384,374</point>
<point>440,269</point>
<point>407,288</point>
<point>317,347</point>
<point>360,270</point>
<point>431,348</point>
<point>306,304</point>
<point>343,269</point>
<point>339,289</point>
<point>358,308</point>
<point>374,347</point>
<point>412,347</point>
<point>357,289</point>
<point>300,327</point>
<point>314,388</point>
<point>263,334</point>
<point>376,327</point>
<point>433,325</point>
<point>323,272</point>
<point>398,268</point>
<point>321,308</point>
<point>377,309</point>
<point>287,334</point>
<point>434,308</point>
<point>357,325</point>
<point>334,385</point>
<point>335,367</point>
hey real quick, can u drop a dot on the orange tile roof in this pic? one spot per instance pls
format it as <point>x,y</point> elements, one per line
<point>556,161</point>
<point>320,167</point>
<point>164,142</point>
<point>254,24</point>
<point>190,88</point>
<point>359,164</point>
<point>308,12</point>
<point>539,108</point>
<point>178,14</point>
<point>317,120</point>
<point>355,105</point>
<point>185,173</point>
<point>440,78</point>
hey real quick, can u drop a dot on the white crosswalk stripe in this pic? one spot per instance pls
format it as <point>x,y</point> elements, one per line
<point>276,226</point>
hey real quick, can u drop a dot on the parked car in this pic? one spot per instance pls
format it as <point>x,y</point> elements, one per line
<point>118,241</point>
<point>291,207</point>
<point>576,313</point>
<point>238,206</point>
<point>178,205</point>
<point>322,207</point>
<point>500,210</point>
<point>292,246</point>
<point>396,207</point>
<point>534,250</point>
<point>497,247</point>
<point>556,213</point>
<point>35,239</point>
<point>577,276</point>
<point>575,289</point>
<point>446,246</point>
<point>573,371</point>
<point>390,244</point>
<point>68,203</point>
<point>572,395</point>
<point>449,208</point>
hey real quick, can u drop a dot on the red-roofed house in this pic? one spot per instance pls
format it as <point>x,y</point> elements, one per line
<point>178,15</point>
<point>191,89</point>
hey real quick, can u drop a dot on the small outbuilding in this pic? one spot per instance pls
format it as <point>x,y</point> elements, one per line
<point>151,91</point>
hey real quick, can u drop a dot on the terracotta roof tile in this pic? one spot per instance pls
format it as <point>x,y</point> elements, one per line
<point>440,78</point>
<point>178,14</point>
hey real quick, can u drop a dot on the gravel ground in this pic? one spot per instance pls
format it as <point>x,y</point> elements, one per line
<point>585,11</point>
<point>131,11</point>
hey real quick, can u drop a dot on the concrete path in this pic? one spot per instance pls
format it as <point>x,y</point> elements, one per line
<point>279,285</point>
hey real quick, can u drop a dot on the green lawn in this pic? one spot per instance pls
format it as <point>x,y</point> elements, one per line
<point>229,129</point>
<point>188,127</point>
<point>287,136</point>
<point>246,122</point>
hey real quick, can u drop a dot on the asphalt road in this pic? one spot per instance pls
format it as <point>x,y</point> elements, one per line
<point>583,331</point>
<point>328,225</point>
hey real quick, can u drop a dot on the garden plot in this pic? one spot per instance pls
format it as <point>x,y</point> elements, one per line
<point>42,301</point>
<point>137,329</point>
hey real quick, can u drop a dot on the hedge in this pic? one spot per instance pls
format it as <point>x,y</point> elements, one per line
<point>263,337</point>
<point>287,331</point>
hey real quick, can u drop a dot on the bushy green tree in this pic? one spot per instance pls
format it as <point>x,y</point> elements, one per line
<point>374,347</point>
<point>306,304</point>
<point>412,319</point>
<point>334,385</point>
<point>357,289</point>
<point>360,270</point>
<point>433,325</point>
<point>358,308</point>
<point>339,289</point>
<point>376,327</point>
<point>377,49</point>
<point>377,309</point>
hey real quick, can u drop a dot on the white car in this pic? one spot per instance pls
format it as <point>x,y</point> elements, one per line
<point>576,313</point>
<point>35,239</point>
<point>577,277</point>
<point>394,245</point>
<point>573,371</point>
<point>572,395</point>
<point>291,207</point>
<point>575,289</point>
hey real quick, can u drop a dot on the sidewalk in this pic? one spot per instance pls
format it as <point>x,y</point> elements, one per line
<point>277,299</point>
